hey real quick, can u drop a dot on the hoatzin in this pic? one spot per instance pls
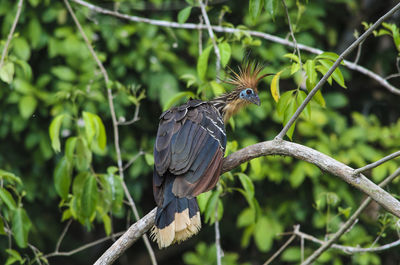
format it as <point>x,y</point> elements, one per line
<point>188,154</point>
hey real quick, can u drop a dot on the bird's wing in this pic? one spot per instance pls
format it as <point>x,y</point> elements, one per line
<point>189,146</point>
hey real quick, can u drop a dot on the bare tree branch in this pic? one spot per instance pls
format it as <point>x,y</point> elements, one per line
<point>349,223</point>
<point>266,36</point>
<point>377,163</point>
<point>115,127</point>
<point>334,66</point>
<point>127,239</point>
<point>211,34</point>
<point>296,48</point>
<point>10,35</point>
<point>284,246</point>
<point>274,147</point>
<point>348,249</point>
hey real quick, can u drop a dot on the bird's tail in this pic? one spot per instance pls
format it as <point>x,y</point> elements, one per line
<point>176,221</point>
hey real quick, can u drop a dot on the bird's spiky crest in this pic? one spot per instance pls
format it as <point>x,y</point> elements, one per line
<point>247,76</point>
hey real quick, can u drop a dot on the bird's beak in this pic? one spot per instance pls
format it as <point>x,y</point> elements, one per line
<point>255,99</point>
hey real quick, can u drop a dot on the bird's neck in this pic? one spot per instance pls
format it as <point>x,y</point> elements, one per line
<point>228,104</point>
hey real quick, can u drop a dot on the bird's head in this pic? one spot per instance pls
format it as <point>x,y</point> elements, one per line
<point>246,81</point>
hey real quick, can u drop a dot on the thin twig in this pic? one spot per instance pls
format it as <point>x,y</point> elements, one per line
<point>283,247</point>
<point>211,34</point>
<point>345,227</point>
<point>292,33</point>
<point>81,248</point>
<point>348,249</point>
<point>377,163</point>
<point>133,159</point>
<point>115,127</point>
<point>200,36</point>
<point>266,36</point>
<point>134,119</point>
<point>358,52</point>
<point>218,238</point>
<point>10,35</point>
<point>330,71</point>
<point>62,235</point>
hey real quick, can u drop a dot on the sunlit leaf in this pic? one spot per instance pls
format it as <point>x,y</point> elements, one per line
<point>54,131</point>
<point>184,14</point>
<point>62,177</point>
<point>275,86</point>
<point>225,53</point>
<point>202,63</point>
<point>177,97</point>
<point>27,106</point>
<point>89,197</point>
<point>255,7</point>
<point>7,72</point>
<point>7,199</point>
<point>20,227</point>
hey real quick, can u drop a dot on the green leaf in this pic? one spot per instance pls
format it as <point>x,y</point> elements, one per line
<point>90,126</point>
<point>70,149</point>
<point>149,159</point>
<point>284,102</point>
<point>291,254</point>
<point>7,72</point>
<point>2,231</point>
<point>271,6</point>
<point>247,185</point>
<point>101,133</point>
<point>10,177</point>
<point>319,98</point>
<point>83,154</point>
<point>7,198</point>
<point>202,200</point>
<point>309,67</point>
<point>217,88</point>
<point>211,206</point>
<point>292,56</point>
<point>202,63</point>
<point>184,14</point>
<point>89,197</point>
<point>275,86</point>
<point>301,96</point>
<point>64,73</point>
<point>328,55</point>
<point>337,74</point>
<point>246,217</point>
<point>54,132</point>
<point>107,223</point>
<point>295,67</point>
<point>27,106</point>
<point>262,234</point>
<point>225,53</point>
<point>255,7</point>
<point>21,48</point>
<point>62,177</point>
<point>14,256</point>
<point>289,111</point>
<point>20,227</point>
<point>177,97</point>
<point>117,191</point>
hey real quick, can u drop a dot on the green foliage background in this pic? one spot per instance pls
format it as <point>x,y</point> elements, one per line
<point>57,155</point>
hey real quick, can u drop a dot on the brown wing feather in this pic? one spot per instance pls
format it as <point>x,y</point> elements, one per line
<point>189,147</point>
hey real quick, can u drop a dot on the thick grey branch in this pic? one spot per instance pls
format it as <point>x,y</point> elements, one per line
<point>274,147</point>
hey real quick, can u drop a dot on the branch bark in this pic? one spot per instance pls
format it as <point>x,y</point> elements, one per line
<point>273,147</point>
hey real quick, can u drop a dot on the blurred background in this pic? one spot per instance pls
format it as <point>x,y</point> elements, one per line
<point>49,72</point>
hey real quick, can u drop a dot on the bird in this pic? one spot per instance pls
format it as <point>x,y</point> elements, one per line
<point>188,154</point>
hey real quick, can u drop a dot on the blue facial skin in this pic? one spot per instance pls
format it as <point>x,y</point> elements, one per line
<point>250,95</point>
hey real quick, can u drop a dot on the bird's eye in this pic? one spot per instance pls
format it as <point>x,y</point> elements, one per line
<point>249,91</point>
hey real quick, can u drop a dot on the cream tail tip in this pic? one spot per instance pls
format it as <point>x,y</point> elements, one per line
<point>179,230</point>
